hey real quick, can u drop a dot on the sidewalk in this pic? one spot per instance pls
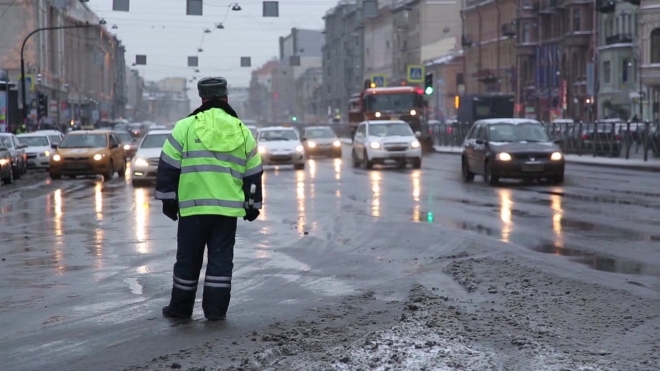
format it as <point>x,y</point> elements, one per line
<point>653,164</point>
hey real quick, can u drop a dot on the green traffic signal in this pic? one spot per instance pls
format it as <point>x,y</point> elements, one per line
<point>429,90</point>
<point>429,217</point>
<point>294,118</point>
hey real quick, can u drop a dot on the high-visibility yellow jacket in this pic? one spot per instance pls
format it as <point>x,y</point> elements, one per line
<point>209,162</point>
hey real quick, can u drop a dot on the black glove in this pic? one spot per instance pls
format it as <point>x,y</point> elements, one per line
<point>171,210</point>
<point>251,214</point>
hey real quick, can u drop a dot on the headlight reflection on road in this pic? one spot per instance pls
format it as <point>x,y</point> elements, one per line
<point>98,201</point>
<point>57,198</point>
<point>141,218</point>
<point>98,248</point>
<point>557,215</point>
<point>505,214</point>
<point>312,168</point>
<point>375,189</point>
<point>337,164</point>
<point>300,195</point>
<point>416,194</point>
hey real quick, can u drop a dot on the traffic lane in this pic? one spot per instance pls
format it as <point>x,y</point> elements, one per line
<point>97,276</point>
<point>587,218</point>
<point>325,232</point>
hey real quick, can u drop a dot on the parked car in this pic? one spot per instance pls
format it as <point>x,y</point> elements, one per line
<point>6,171</point>
<point>279,145</point>
<point>88,153</point>
<point>382,141</point>
<point>145,162</point>
<point>321,140</point>
<point>38,150</point>
<point>511,148</point>
<point>17,151</point>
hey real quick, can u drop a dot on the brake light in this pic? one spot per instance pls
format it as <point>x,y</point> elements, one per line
<point>585,136</point>
<point>449,130</point>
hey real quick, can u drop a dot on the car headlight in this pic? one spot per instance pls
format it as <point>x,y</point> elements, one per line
<point>504,156</point>
<point>299,148</point>
<point>413,112</point>
<point>377,114</point>
<point>336,143</point>
<point>556,156</point>
<point>374,145</point>
<point>414,144</point>
<point>57,157</point>
<point>140,162</point>
<point>45,154</point>
<point>311,144</point>
<point>127,147</point>
<point>98,157</point>
<point>262,149</point>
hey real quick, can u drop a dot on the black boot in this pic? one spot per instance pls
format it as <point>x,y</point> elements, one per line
<point>168,313</point>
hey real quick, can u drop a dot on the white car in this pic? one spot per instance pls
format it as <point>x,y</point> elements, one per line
<point>280,145</point>
<point>379,142</point>
<point>145,163</point>
<point>254,130</point>
<point>54,135</point>
<point>39,148</point>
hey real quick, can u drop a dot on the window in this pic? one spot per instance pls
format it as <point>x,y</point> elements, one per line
<point>526,32</point>
<point>527,3</point>
<point>113,140</point>
<point>624,70</point>
<point>483,133</point>
<point>655,46</point>
<point>606,71</point>
<point>577,19</point>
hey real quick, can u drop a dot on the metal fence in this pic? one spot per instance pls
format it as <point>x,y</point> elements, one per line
<point>639,140</point>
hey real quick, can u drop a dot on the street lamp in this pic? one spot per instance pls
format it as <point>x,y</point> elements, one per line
<point>23,96</point>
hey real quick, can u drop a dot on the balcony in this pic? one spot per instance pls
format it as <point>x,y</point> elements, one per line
<point>548,6</point>
<point>619,39</point>
<point>508,31</point>
<point>486,77</point>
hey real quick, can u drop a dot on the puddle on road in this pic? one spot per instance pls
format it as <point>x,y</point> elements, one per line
<point>134,285</point>
<point>599,262</point>
<point>609,231</point>
<point>592,260</point>
<point>598,199</point>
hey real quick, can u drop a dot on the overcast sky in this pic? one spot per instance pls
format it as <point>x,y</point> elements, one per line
<point>161,30</point>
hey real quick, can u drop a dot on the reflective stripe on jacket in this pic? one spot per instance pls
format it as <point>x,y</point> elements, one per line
<point>208,164</point>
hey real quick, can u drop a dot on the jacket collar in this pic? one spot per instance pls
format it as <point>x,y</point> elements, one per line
<point>215,103</point>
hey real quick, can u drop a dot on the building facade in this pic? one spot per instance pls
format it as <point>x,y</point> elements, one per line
<point>489,45</point>
<point>134,89</point>
<point>447,73</point>
<point>423,30</point>
<point>308,105</point>
<point>378,50</point>
<point>76,69</point>
<point>261,94</point>
<point>303,46</point>
<point>649,40</point>
<point>342,56</point>
<point>166,101</point>
<point>556,50</point>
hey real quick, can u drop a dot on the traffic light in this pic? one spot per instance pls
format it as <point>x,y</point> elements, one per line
<point>42,104</point>
<point>428,84</point>
<point>457,101</point>
<point>429,217</point>
<point>294,118</point>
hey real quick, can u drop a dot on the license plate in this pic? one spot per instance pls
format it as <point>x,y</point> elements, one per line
<point>76,166</point>
<point>397,155</point>
<point>532,167</point>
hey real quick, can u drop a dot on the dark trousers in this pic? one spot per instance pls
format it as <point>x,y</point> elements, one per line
<point>218,233</point>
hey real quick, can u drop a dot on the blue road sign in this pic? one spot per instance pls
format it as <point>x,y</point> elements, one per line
<point>378,80</point>
<point>415,73</point>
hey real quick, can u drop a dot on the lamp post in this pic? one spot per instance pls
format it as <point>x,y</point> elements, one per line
<point>23,96</point>
<point>38,99</point>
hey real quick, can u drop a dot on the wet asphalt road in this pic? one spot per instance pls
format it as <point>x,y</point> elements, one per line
<point>87,266</point>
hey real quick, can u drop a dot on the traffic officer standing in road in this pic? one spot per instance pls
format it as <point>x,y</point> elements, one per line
<point>208,170</point>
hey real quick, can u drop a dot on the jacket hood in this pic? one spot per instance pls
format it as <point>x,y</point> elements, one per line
<point>217,126</point>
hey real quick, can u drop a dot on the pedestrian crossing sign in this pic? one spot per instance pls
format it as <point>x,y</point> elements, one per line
<point>378,80</point>
<point>415,73</point>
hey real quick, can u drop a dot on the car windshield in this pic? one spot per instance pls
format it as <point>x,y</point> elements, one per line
<point>85,141</point>
<point>391,102</point>
<point>319,133</point>
<point>525,132</point>
<point>34,141</point>
<point>389,130</point>
<point>154,141</point>
<point>275,135</point>
<point>124,137</point>
<point>55,139</point>
<point>5,142</point>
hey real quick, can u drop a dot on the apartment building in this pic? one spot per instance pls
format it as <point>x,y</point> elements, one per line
<point>489,45</point>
